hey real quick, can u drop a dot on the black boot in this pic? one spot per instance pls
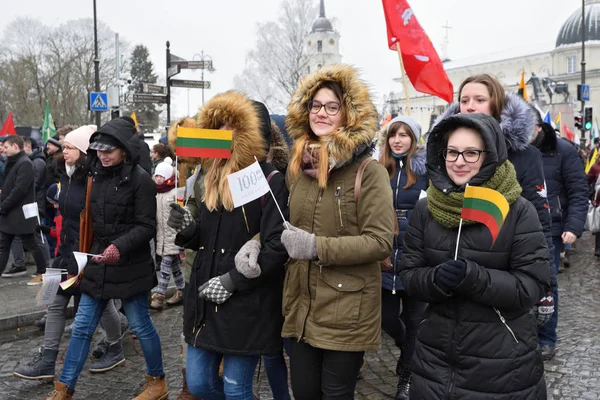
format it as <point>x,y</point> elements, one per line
<point>403,384</point>
<point>42,367</point>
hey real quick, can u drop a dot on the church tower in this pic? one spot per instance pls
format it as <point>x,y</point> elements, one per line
<point>322,43</point>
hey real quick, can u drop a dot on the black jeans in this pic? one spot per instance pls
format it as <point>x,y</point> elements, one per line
<point>402,326</point>
<point>323,374</point>
<point>30,244</point>
<point>597,249</point>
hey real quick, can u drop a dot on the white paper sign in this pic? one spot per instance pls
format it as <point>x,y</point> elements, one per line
<point>82,260</point>
<point>47,293</point>
<point>247,185</point>
<point>30,210</point>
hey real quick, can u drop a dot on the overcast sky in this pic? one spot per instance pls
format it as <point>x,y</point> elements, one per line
<point>225,29</point>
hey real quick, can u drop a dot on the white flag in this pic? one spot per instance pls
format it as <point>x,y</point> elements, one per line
<point>189,184</point>
<point>30,210</point>
<point>247,185</point>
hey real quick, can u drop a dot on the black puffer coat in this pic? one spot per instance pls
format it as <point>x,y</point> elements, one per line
<point>17,190</point>
<point>123,208</point>
<point>39,171</point>
<point>464,350</point>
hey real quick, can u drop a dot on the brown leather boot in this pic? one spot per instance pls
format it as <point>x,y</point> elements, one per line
<point>155,389</point>
<point>61,392</point>
<point>158,301</point>
<point>185,393</point>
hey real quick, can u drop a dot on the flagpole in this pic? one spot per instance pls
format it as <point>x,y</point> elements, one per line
<point>404,78</point>
<point>276,203</point>
<point>459,231</point>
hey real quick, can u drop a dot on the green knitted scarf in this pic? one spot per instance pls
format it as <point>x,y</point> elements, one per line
<point>446,209</point>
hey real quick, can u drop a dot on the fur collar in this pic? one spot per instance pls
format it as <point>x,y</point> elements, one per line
<point>516,120</point>
<point>279,153</point>
<point>417,162</point>
<point>361,116</point>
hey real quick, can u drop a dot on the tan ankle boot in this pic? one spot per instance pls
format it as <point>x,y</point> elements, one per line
<point>185,393</point>
<point>176,298</point>
<point>155,389</point>
<point>158,301</point>
<point>61,392</point>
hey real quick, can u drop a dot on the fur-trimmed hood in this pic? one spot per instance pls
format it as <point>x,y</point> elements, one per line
<point>516,120</point>
<point>418,161</point>
<point>279,153</point>
<point>241,115</point>
<point>359,129</point>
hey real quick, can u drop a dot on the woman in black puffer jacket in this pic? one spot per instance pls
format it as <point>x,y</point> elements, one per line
<point>479,339</point>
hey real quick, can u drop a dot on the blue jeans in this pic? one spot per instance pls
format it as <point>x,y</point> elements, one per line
<point>278,376</point>
<point>547,333</point>
<point>202,375</point>
<point>88,316</point>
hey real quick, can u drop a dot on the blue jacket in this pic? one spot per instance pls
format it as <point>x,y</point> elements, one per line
<point>568,189</point>
<point>404,199</point>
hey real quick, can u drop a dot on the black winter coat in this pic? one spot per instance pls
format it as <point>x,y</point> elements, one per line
<point>39,170</point>
<point>18,190</point>
<point>123,209</point>
<point>250,321</point>
<point>568,189</point>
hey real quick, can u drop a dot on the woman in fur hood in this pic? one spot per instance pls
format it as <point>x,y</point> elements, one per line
<point>232,305</point>
<point>332,290</point>
<point>405,163</point>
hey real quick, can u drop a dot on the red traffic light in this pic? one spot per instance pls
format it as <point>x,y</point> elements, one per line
<point>578,121</point>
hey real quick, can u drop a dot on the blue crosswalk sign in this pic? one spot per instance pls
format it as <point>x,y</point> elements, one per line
<point>98,101</point>
<point>585,92</point>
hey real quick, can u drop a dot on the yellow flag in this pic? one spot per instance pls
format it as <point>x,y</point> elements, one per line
<point>523,87</point>
<point>558,123</point>
<point>134,118</point>
<point>591,161</point>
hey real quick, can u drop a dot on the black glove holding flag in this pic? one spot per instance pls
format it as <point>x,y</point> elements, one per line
<point>449,274</point>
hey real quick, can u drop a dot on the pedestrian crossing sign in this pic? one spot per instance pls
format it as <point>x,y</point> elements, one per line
<point>98,101</point>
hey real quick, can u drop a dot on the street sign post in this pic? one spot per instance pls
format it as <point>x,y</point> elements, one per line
<point>145,98</point>
<point>153,88</point>
<point>184,64</point>
<point>183,83</point>
<point>585,92</point>
<point>174,70</point>
<point>98,101</point>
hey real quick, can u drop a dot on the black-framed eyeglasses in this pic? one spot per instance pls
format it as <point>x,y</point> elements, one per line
<point>470,156</point>
<point>331,108</point>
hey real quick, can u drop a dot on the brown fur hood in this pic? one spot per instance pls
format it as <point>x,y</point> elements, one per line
<point>279,153</point>
<point>361,116</point>
<point>237,111</point>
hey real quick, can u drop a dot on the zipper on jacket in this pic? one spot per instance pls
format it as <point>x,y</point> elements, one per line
<point>449,394</point>
<point>394,278</point>
<point>320,195</point>
<point>505,324</point>
<point>339,204</point>
<point>395,238</point>
<point>291,191</point>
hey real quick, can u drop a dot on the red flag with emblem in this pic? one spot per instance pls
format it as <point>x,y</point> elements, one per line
<point>421,62</point>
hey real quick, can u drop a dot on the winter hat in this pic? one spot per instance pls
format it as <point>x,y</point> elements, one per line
<point>412,124</point>
<point>55,142</point>
<point>80,137</point>
<point>52,193</point>
<point>165,168</point>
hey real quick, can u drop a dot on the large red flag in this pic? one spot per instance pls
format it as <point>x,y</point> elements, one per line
<point>9,126</point>
<point>421,62</point>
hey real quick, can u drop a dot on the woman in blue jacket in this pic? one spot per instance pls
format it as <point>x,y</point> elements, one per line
<point>405,162</point>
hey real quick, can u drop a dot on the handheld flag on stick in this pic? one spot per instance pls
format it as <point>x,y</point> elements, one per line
<point>203,143</point>
<point>558,123</point>
<point>568,134</point>
<point>134,118</point>
<point>48,128</point>
<point>9,126</point>
<point>523,87</point>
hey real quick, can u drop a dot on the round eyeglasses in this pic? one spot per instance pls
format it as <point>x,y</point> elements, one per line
<point>470,156</point>
<point>331,108</point>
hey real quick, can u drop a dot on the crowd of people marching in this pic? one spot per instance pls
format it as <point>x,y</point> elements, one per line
<point>365,245</point>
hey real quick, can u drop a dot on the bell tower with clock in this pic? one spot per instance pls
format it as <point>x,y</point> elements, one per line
<point>322,43</point>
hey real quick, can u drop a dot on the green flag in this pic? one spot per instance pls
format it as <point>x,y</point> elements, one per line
<point>48,128</point>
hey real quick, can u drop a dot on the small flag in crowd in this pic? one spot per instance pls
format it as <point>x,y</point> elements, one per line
<point>48,128</point>
<point>522,87</point>
<point>547,118</point>
<point>203,143</point>
<point>595,133</point>
<point>247,184</point>
<point>421,62</point>
<point>134,118</point>
<point>485,206</point>
<point>558,123</point>
<point>9,126</point>
<point>569,135</point>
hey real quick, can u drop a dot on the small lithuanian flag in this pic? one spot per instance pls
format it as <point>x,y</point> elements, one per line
<point>203,143</point>
<point>486,206</point>
<point>523,87</point>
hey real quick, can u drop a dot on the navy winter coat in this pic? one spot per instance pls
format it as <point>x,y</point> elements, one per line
<point>17,190</point>
<point>404,202</point>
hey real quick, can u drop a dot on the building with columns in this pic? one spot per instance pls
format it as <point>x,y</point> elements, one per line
<point>552,75</point>
<point>322,43</point>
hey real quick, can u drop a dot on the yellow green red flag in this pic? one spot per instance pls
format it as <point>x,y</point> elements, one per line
<point>203,143</point>
<point>485,206</point>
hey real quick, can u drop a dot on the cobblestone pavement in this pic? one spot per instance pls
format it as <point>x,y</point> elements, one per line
<point>573,374</point>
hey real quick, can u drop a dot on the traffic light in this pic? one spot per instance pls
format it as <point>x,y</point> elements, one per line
<point>587,118</point>
<point>578,122</point>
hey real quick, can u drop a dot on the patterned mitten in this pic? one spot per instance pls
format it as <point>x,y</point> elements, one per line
<point>217,289</point>
<point>111,255</point>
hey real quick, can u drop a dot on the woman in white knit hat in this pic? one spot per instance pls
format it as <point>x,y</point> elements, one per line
<point>71,202</point>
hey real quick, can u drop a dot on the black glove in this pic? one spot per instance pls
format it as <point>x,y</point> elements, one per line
<point>179,217</point>
<point>449,274</point>
<point>43,229</point>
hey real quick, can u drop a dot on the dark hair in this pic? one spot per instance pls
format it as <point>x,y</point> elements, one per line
<point>388,161</point>
<point>14,139</point>
<point>335,87</point>
<point>163,151</point>
<point>495,89</point>
<point>63,130</point>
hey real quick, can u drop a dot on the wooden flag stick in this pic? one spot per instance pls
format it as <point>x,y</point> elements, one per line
<point>404,79</point>
<point>285,223</point>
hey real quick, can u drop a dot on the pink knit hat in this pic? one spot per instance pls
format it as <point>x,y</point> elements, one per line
<point>80,137</point>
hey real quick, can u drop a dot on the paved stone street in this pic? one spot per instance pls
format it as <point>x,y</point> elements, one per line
<point>573,374</point>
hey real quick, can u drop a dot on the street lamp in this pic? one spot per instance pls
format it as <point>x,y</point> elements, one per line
<point>204,57</point>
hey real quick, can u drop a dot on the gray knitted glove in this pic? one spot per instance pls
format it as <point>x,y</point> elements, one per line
<point>299,244</point>
<point>246,260</point>
<point>179,217</point>
<point>217,289</point>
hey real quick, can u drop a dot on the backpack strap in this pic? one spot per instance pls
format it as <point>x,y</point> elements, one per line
<point>359,175</point>
<point>273,173</point>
